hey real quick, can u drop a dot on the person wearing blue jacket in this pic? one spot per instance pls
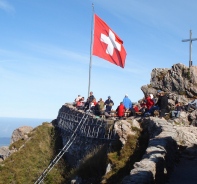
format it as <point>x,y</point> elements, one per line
<point>127,102</point>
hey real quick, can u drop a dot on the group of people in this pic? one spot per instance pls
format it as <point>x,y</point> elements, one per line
<point>97,107</point>
<point>149,106</point>
<point>146,106</point>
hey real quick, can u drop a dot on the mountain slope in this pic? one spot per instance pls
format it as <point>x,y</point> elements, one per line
<point>34,155</point>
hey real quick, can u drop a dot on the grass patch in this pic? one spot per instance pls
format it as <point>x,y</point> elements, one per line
<point>122,160</point>
<point>17,144</point>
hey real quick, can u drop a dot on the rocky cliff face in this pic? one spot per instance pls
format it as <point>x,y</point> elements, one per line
<point>180,82</point>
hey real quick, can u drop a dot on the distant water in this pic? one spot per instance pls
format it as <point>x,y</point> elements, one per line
<point>8,125</point>
<point>4,141</point>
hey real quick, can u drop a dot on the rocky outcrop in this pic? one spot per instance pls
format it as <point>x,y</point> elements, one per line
<point>18,134</point>
<point>180,82</point>
<point>124,128</point>
<point>21,133</point>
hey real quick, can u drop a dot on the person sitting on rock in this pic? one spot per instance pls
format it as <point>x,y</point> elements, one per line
<point>149,102</point>
<point>101,107</point>
<point>120,110</point>
<point>154,107</point>
<point>108,106</point>
<point>152,97</point>
<point>93,104</point>
<point>80,104</point>
<point>136,108</point>
<point>83,100</point>
<point>133,110</point>
<point>192,104</point>
<point>97,109</point>
<point>101,104</point>
<point>109,103</point>
<point>77,99</point>
<point>142,105</point>
<point>177,111</point>
<point>89,101</point>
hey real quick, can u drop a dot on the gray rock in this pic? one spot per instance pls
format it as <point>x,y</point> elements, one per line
<point>4,153</point>
<point>109,168</point>
<point>123,129</point>
<point>21,133</point>
<point>179,79</point>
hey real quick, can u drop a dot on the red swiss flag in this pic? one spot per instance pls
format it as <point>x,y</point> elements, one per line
<point>107,44</point>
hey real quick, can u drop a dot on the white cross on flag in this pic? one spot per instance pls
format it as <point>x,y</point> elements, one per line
<point>107,44</point>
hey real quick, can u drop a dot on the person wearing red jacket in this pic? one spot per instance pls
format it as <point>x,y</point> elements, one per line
<point>120,110</point>
<point>136,108</point>
<point>149,102</point>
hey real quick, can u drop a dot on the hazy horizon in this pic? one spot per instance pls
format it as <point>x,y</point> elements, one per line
<point>9,124</point>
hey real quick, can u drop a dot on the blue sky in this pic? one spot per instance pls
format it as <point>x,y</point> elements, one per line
<point>45,50</point>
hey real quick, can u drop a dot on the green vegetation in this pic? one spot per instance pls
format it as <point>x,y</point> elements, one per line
<point>122,159</point>
<point>26,165</point>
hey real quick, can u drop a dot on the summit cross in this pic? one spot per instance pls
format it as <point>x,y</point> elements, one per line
<point>111,42</point>
<point>190,47</point>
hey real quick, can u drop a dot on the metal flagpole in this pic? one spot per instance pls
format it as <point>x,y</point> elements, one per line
<point>91,44</point>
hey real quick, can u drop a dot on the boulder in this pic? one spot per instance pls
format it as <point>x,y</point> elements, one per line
<point>187,136</point>
<point>123,129</point>
<point>21,133</point>
<point>4,153</point>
